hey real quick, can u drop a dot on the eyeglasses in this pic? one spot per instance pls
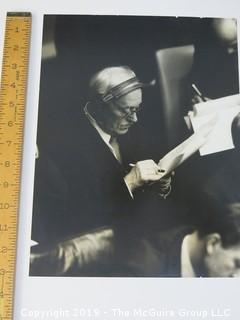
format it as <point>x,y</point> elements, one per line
<point>128,110</point>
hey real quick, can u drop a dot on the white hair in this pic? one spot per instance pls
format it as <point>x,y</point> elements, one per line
<point>108,78</point>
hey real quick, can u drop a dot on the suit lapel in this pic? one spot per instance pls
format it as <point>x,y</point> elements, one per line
<point>100,151</point>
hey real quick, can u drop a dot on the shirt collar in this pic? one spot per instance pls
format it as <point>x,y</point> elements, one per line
<point>187,270</point>
<point>105,136</point>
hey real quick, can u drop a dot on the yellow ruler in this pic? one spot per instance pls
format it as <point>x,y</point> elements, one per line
<point>12,108</point>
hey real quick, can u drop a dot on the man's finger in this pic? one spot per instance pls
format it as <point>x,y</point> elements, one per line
<point>153,177</point>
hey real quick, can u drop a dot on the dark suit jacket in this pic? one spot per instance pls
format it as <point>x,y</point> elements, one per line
<point>95,194</point>
<point>49,204</point>
<point>154,255</point>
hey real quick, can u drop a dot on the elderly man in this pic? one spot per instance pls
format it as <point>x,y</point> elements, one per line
<point>116,99</point>
<point>104,170</point>
<point>94,190</point>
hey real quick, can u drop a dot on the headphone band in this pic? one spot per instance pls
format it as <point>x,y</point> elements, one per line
<point>121,89</point>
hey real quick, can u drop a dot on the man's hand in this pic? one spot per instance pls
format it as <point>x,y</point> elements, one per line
<point>198,99</point>
<point>164,185</point>
<point>144,172</point>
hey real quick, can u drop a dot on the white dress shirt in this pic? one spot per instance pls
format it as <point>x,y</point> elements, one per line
<point>187,270</point>
<point>105,136</point>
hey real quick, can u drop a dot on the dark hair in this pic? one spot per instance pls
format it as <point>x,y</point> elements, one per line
<point>222,218</point>
<point>236,131</point>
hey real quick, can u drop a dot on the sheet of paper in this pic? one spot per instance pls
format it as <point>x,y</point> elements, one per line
<point>220,138</point>
<point>187,148</point>
<point>216,105</point>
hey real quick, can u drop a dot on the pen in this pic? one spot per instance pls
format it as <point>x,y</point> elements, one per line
<point>159,170</point>
<point>197,91</point>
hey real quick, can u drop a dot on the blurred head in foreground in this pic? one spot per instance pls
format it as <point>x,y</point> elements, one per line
<point>236,131</point>
<point>215,245</point>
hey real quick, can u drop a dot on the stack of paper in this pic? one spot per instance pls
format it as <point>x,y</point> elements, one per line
<point>223,110</point>
<point>211,122</point>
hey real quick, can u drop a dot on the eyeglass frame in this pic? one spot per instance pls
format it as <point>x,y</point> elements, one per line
<point>128,110</point>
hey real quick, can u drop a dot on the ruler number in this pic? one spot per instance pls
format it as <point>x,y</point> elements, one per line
<point>4,206</point>
<point>7,164</point>
<point>3,250</point>
<point>3,227</point>
<point>10,123</point>
<point>5,184</point>
<point>9,142</point>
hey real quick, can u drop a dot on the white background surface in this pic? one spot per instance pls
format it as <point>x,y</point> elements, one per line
<point>72,294</point>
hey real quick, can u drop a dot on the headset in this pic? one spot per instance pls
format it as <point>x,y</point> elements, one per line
<point>122,89</point>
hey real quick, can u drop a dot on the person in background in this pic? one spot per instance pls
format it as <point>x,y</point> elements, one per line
<point>215,74</point>
<point>215,64</point>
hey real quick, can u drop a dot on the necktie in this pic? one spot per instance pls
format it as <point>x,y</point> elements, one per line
<point>114,144</point>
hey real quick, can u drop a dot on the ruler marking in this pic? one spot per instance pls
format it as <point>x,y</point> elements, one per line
<point>12,101</point>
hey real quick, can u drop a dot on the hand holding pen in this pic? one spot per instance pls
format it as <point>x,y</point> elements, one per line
<point>159,170</point>
<point>162,183</point>
<point>143,172</point>
<point>198,97</point>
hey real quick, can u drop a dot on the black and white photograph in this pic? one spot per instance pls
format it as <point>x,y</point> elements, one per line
<point>138,148</point>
